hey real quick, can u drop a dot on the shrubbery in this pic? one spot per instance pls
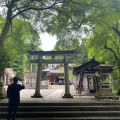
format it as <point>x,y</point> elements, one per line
<point>118,91</point>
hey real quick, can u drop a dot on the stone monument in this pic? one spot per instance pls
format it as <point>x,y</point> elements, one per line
<point>2,89</point>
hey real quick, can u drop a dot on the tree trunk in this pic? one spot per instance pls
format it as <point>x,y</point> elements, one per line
<point>4,32</point>
<point>7,23</point>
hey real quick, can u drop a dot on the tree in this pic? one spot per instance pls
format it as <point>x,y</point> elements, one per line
<point>75,21</point>
<point>21,39</point>
<point>63,13</point>
<point>25,9</point>
<point>104,42</point>
<point>19,65</point>
<point>58,16</point>
<point>45,11</point>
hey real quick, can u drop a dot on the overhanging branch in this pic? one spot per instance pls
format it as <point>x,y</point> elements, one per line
<point>111,50</point>
<point>116,30</point>
<point>27,7</point>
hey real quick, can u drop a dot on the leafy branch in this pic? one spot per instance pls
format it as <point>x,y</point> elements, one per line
<point>116,29</point>
<point>110,49</point>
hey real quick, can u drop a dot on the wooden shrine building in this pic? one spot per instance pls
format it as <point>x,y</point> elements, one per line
<point>96,75</point>
<point>52,76</point>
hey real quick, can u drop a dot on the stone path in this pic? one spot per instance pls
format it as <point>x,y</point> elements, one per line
<point>55,96</point>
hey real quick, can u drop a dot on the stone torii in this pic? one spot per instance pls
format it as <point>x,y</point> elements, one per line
<point>65,55</point>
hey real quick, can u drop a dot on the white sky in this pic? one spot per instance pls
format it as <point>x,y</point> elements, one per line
<point>48,41</point>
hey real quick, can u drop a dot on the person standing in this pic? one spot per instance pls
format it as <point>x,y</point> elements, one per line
<point>13,95</point>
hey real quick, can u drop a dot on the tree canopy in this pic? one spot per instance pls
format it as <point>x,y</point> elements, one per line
<point>20,39</point>
<point>104,42</point>
<point>26,9</point>
<point>90,26</point>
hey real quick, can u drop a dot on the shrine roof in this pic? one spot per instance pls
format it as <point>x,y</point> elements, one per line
<point>53,71</point>
<point>10,72</point>
<point>49,71</point>
<point>105,65</point>
<point>105,68</point>
<point>91,63</point>
<point>33,74</point>
<point>46,70</point>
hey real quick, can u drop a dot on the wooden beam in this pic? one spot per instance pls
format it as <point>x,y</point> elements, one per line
<point>56,53</point>
<point>52,61</point>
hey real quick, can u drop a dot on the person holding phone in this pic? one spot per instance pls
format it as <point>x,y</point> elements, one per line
<point>13,95</point>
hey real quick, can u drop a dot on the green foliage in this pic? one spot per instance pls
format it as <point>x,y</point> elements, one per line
<point>74,44</point>
<point>21,38</point>
<point>70,73</point>
<point>71,21</point>
<point>104,42</point>
<point>19,65</point>
<point>118,91</point>
<point>4,59</point>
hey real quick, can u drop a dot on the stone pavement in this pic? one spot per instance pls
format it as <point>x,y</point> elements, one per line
<point>55,96</point>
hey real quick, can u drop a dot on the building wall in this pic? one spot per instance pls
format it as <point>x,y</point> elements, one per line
<point>52,79</point>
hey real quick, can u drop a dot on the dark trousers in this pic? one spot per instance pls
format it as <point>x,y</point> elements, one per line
<point>12,110</point>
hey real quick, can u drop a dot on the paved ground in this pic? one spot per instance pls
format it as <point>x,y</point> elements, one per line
<point>55,95</point>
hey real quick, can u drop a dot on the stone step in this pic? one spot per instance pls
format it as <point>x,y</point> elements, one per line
<point>66,104</point>
<point>70,118</point>
<point>64,108</point>
<point>64,114</point>
<point>65,111</point>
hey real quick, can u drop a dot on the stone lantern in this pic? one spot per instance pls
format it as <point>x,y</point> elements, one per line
<point>2,89</point>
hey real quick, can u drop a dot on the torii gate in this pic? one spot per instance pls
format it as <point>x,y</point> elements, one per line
<point>41,60</point>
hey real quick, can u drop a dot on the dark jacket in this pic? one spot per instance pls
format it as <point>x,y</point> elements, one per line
<point>13,92</point>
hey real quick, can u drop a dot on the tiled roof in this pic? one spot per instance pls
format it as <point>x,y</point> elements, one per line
<point>91,63</point>
<point>10,72</point>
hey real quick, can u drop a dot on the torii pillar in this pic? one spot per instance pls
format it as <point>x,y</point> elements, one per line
<point>67,84</point>
<point>39,78</point>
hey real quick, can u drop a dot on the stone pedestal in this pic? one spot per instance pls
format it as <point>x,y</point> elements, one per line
<point>37,96</point>
<point>67,96</point>
<point>3,93</point>
<point>105,92</point>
